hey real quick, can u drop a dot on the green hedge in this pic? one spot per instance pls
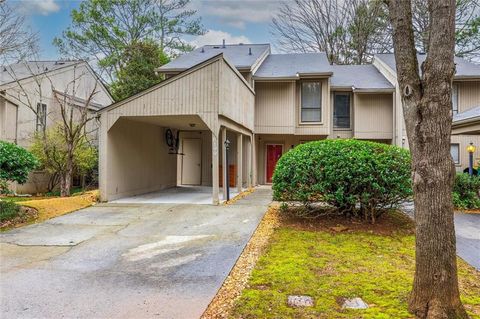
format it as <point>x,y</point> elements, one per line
<point>15,162</point>
<point>8,210</point>
<point>356,177</point>
<point>466,191</point>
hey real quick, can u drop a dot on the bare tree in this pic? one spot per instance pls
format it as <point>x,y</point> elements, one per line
<point>17,41</point>
<point>71,132</point>
<point>427,105</point>
<point>348,31</point>
<point>467,32</point>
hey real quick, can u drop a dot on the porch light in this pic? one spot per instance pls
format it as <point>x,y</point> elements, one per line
<point>470,150</point>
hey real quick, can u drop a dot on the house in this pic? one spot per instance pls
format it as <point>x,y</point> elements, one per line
<point>465,106</point>
<point>259,104</point>
<point>29,101</point>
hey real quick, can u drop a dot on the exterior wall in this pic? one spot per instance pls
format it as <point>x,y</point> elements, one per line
<point>278,106</point>
<point>464,141</point>
<point>373,116</point>
<point>138,159</point>
<point>288,141</point>
<point>206,138</point>
<point>38,89</point>
<point>8,121</point>
<point>468,95</point>
<point>275,107</point>
<point>236,97</point>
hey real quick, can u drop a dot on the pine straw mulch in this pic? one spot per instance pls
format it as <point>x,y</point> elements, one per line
<point>243,194</point>
<point>237,280</point>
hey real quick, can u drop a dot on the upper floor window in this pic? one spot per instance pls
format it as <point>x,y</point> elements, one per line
<point>341,110</point>
<point>41,116</point>
<point>455,152</point>
<point>311,96</point>
<point>455,99</point>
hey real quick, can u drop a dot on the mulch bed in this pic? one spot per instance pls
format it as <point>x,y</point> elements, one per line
<point>26,214</point>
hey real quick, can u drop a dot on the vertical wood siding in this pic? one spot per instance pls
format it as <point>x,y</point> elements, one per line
<point>373,116</point>
<point>275,107</point>
<point>468,95</point>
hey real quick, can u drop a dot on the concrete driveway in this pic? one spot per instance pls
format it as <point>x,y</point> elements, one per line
<point>125,261</point>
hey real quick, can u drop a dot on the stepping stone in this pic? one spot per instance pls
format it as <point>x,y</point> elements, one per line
<point>354,303</point>
<point>300,301</point>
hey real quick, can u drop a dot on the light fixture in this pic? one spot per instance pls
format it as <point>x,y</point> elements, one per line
<point>471,148</point>
<point>192,124</point>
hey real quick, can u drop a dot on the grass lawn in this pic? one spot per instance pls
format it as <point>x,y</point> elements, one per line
<point>50,207</point>
<point>374,262</point>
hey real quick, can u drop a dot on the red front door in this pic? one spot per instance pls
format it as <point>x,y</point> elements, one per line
<point>273,154</point>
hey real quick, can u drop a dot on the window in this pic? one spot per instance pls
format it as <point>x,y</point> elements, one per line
<point>455,152</point>
<point>455,99</point>
<point>341,110</point>
<point>41,117</point>
<point>311,106</point>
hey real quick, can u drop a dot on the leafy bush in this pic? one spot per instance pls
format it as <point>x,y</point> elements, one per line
<point>15,163</point>
<point>356,177</point>
<point>466,191</point>
<point>8,210</point>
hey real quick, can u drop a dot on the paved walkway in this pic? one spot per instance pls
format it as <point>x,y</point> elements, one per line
<point>125,260</point>
<point>467,230</point>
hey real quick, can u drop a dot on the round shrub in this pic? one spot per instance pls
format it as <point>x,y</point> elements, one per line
<point>15,163</point>
<point>466,191</point>
<point>356,177</point>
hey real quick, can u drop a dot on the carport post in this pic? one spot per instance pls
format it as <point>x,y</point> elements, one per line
<point>239,162</point>
<point>215,182</point>
<point>224,162</point>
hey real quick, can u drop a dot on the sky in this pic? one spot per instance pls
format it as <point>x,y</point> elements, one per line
<point>246,21</point>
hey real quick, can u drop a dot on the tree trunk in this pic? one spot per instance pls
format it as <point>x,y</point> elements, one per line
<point>427,108</point>
<point>68,174</point>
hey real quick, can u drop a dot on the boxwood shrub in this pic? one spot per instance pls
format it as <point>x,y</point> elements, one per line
<point>356,177</point>
<point>15,164</point>
<point>466,191</point>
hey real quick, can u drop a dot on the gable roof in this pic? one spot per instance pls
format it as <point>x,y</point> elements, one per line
<point>291,65</point>
<point>238,54</point>
<point>464,68</point>
<point>471,114</point>
<point>359,77</point>
<point>23,70</point>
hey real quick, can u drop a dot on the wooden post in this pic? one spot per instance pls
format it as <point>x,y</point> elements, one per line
<point>215,167</point>
<point>224,162</point>
<point>239,162</point>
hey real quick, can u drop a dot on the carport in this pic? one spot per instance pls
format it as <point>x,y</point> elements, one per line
<point>173,136</point>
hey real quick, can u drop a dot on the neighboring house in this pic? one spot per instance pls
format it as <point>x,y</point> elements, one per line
<point>264,104</point>
<point>465,106</point>
<point>39,86</point>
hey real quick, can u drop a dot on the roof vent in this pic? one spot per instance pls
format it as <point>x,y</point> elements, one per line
<point>4,69</point>
<point>223,44</point>
<point>216,47</point>
<point>240,43</point>
<point>203,50</point>
<point>249,51</point>
<point>59,63</point>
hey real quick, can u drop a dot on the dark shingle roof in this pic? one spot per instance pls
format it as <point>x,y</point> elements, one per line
<point>365,77</point>
<point>237,54</point>
<point>464,68</point>
<point>469,114</point>
<point>289,65</point>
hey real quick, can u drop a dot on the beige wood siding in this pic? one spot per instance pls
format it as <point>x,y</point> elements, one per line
<point>8,121</point>
<point>138,159</point>
<point>322,128</point>
<point>190,93</point>
<point>463,141</point>
<point>237,99</point>
<point>275,107</point>
<point>468,95</point>
<point>373,116</point>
